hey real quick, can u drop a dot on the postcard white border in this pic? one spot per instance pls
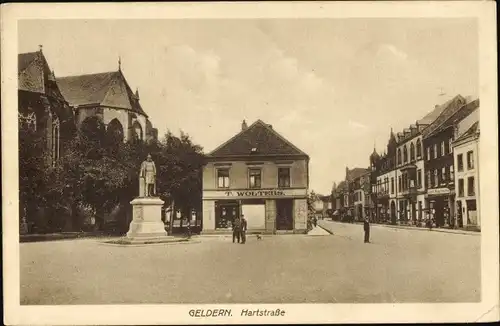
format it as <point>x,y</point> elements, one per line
<point>487,310</point>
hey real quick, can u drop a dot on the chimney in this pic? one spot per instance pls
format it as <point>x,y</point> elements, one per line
<point>270,126</point>
<point>137,92</point>
<point>40,47</point>
<point>244,125</point>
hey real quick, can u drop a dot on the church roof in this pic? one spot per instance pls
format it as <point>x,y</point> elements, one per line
<point>25,59</point>
<point>100,89</point>
<point>257,139</point>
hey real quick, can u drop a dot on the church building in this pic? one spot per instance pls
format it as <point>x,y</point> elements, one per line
<point>108,97</point>
<point>258,174</point>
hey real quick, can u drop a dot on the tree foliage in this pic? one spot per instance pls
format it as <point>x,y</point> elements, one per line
<point>100,171</point>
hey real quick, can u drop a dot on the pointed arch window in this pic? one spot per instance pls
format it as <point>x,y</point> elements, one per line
<point>405,154</point>
<point>412,152</point>
<point>28,120</point>
<point>56,139</point>
<point>419,149</point>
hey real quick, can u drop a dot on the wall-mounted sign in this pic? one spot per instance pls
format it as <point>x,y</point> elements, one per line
<point>438,191</point>
<point>252,193</point>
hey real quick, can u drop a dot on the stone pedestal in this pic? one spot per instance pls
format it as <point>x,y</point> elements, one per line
<point>146,225</point>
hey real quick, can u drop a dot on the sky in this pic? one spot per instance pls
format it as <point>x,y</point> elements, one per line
<point>333,87</point>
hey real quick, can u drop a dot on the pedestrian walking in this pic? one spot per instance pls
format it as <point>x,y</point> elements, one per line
<point>366,227</point>
<point>236,229</point>
<point>243,229</point>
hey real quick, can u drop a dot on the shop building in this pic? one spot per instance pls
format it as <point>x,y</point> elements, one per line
<point>439,163</point>
<point>260,174</point>
<point>466,161</point>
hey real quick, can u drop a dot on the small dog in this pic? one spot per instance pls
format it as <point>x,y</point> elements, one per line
<point>259,237</point>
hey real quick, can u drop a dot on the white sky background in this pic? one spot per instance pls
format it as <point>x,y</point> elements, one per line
<point>333,87</point>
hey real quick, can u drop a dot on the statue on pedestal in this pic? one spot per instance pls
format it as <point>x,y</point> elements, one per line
<point>147,178</point>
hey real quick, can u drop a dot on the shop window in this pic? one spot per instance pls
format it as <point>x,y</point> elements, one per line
<point>419,178</point>
<point>460,162</point>
<point>460,187</point>
<point>283,177</point>
<point>470,186</point>
<point>470,160</point>
<point>223,178</point>
<point>254,176</point>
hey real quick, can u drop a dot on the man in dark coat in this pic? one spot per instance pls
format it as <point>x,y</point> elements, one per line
<point>243,229</point>
<point>236,229</point>
<point>366,226</point>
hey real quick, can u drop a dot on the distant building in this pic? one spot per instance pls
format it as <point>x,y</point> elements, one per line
<point>108,97</point>
<point>466,161</point>
<point>439,163</point>
<point>260,174</point>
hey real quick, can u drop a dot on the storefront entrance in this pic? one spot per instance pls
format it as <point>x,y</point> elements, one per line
<point>284,214</point>
<point>225,213</point>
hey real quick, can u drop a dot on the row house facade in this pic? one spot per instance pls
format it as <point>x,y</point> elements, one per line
<point>466,160</point>
<point>410,176</point>
<point>440,162</point>
<point>258,174</point>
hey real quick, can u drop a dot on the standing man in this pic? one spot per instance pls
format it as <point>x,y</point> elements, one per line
<point>366,226</point>
<point>236,229</point>
<point>243,229</point>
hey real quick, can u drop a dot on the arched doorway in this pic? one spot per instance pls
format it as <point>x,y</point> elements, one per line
<point>115,131</point>
<point>393,212</point>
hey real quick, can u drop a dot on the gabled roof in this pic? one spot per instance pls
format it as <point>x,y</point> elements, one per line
<point>99,89</point>
<point>450,107</point>
<point>259,137</point>
<point>458,116</point>
<point>356,173</point>
<point>474,129</point>
<point>434,114</point>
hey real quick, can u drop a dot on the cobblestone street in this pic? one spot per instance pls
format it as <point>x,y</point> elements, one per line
<point>398,266</point>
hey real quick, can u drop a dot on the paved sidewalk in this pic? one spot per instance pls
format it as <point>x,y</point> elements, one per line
<point>327,225</point>
<point>427,229</point>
